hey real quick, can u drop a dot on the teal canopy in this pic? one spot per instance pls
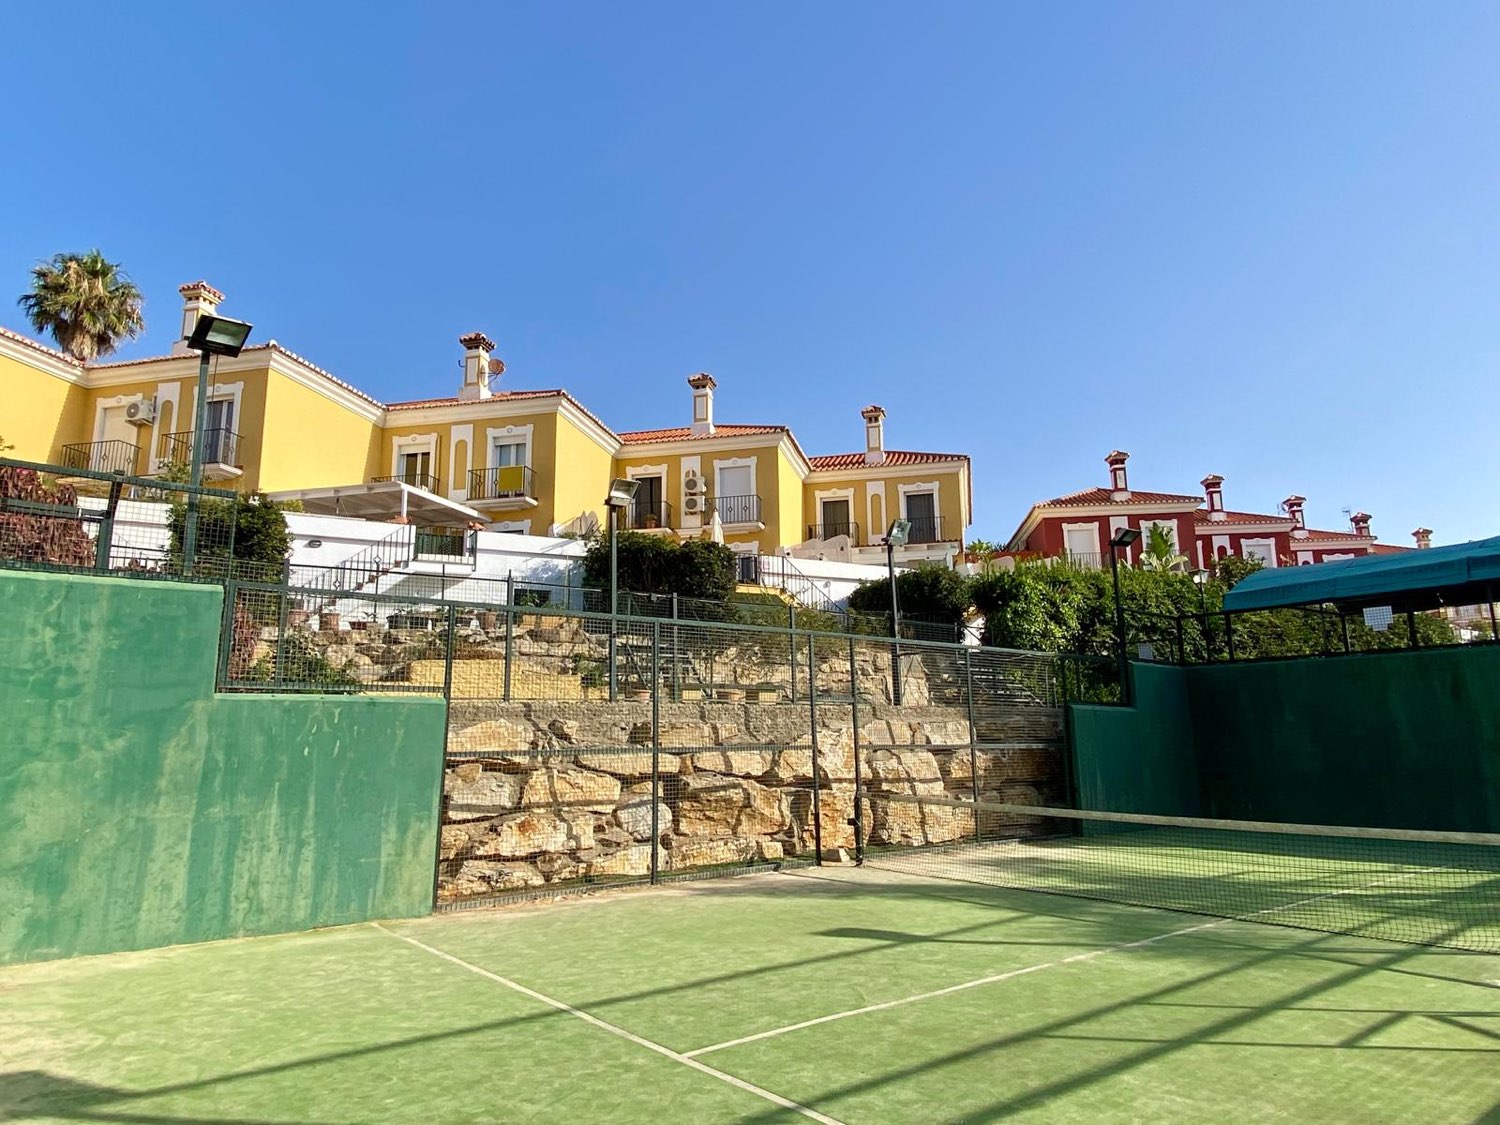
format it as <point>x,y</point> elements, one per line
<point>1461,574</point>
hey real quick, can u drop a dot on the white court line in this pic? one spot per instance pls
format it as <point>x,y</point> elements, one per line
<point>1021,972</point>
<point>675,1056</point>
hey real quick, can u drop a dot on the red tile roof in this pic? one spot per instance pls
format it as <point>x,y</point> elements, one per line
<point>39,346</point>
<point>1314,535</point>
<point>1091,496</point>
<point>685,433</point>
<point>498,396</point>
<point>892,457</point>
<point>1201,516</point>
<point>1389,549</point>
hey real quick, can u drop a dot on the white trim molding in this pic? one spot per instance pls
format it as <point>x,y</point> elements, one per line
<point>516,434</point>
<point>1268,545</point>
<point>1092,527</point>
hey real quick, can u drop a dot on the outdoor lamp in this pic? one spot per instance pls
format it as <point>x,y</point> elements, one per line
<point>1124,537</point>
<point>621,495</point>
<point>219,335</point>
<point>898,534</point>
<point>895,537</point>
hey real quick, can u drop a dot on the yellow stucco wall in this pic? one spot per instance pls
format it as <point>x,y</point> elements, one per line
<point>579,475</point>
<point>950,502</point>
<point>307,440</point>
<point>39,412</point>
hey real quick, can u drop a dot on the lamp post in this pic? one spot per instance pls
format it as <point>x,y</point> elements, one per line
<point>212,336</point>
<point>1200,580</point>
<point>621,495</point>
<point>1120,540</point>
<point>897,536</point>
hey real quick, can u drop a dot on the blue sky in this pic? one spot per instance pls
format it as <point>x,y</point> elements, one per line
<point>1260,240</point>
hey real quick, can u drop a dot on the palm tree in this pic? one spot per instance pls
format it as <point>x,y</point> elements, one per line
<point>86,302</point>
<point>1160,552</point>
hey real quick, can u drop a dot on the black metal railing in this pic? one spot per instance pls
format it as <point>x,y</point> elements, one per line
<point>101,456</point>
<point>504,482</point>
<point>926,529</point>
<point>834,529</point>
<point>644,517</point>
<point>220,447</point>
<point>425,481</point>
<point>446,543</point>
<point>737,509</point>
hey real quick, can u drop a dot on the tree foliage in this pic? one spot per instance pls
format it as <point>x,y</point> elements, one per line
<point>930,591</point>
<point>654,564</point>
<point>60,540</point>
<point>86,302</point>
<point>254,525</point>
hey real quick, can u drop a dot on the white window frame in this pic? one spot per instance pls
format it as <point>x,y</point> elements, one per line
<point>513,435</point>
<point>720,464</point>
<point>822,494</point>
<point>1269,560</point>
<point>919,488</point>
<point>1092,527</point>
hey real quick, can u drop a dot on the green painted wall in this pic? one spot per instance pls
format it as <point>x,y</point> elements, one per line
<point>1142,758</point>
<point>139,809</point>
<point>1387,740</point>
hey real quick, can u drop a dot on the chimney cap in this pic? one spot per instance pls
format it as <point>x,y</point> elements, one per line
<point>1212,478</point>
<point>200,289</point>
<point>477,340</point>
<point>1421,531</point>
<point>872,413</point>
<point>1117,457</point>
<point>702,381</point>
<point>1293,501</point>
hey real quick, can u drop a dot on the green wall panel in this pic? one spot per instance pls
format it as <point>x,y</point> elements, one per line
<point>1141,758</point>
<point>139,809</point>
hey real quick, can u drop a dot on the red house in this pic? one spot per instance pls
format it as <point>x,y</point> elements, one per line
<point>1079,526</point>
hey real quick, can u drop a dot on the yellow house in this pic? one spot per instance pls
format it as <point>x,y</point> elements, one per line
<point>528,461</point>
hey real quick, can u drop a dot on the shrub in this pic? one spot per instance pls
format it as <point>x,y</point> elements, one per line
<point>929,591</point>
<point>652,564</point>
<point>60,540</point>
<point>255,525</point>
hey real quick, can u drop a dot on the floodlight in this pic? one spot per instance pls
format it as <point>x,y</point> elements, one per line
<point>219,335</point>
<point>1124,537</point>
<point>899,533</point>
<point>621,493</point>
<point>1199,576</point>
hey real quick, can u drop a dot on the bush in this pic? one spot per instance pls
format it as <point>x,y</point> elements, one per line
<point>652,564</point>
<point>59,540</point>
<point>254,524</point>
<point>930,591</point>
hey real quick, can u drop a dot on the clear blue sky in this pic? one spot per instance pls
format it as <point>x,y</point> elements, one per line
<point>1261,240</point>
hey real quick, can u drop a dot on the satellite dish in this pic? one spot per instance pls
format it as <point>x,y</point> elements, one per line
<point>497,367</point>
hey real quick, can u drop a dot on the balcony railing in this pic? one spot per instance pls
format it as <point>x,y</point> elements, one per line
<point>822,531</point>
<point>220,447</point>
<point>446,543</point>
<point>738,509</point>
<point>102,456</point>
<point>926,529</point>
<point>645,517</point>
<point>425,481</point>
<point>504,482</point>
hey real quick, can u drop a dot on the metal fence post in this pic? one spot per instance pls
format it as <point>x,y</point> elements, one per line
<point>226,632</point>
<point>451,628</point>
<point>510,640</point>
<point>676,657</point>
<point>973,737</point>
<point>817,792</point>
<point>1229,635</point>
<point>655,750</point>
<point>859,797</point>
<point>791,625</point>
<point>107,528</point>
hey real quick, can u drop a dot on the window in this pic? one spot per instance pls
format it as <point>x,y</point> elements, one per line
<point>921,511</point>
<point>509,453</point>
<point>1082,544</point>
<point>648,509</point>
<point>218,434</point>
<point>415,468</point>
<point>834,516</point>
<point>1259,549</point>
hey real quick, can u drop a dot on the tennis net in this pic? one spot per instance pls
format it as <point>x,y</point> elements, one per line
<point>1427,888</point>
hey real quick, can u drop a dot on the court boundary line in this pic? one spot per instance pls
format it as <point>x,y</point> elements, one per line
<point>613,1029</point>
<point>1024,970</point>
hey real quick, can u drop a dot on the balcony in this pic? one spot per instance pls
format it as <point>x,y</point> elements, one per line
<point>822,532</point>
<point>220,450</point>
<point>926,529</point>
<point>505,486</point>
<point>102,457</point>
<point>649,517</point>
<point>738,509</point>
<point>445,544</point>
<point>425,481</point>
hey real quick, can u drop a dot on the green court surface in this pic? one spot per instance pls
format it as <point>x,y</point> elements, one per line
<point>836,994</point>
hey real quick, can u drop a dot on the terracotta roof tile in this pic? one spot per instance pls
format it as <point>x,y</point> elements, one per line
<point>39,346</point>
<point>1230,518</point>
<point>500,396</point>
<point>1389,549</point>
<point>1313,534</point>
<point>892,457</point>
<point>685,433</point>
<point>1091,496</point>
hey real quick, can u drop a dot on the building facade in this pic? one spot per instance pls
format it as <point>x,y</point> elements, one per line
<point>1201,526</point>
<point>528,461</point>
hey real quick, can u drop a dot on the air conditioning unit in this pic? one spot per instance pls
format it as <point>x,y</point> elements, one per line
<point>694,504</point>
<point>141,413</point>
<point>692,483</point>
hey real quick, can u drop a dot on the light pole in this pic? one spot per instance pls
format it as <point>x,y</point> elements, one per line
<point>212,336</point>
<point>1200,580</point>
<point>899,531</point>
<point>621,495</point>
<point>1120,540</point>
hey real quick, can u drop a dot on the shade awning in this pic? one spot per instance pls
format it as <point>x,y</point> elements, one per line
<point>383,500</point>
<point>1460,574</point>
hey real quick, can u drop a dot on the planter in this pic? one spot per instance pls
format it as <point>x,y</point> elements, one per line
<point>296,618</point>
<point>328,621</point>
<point>359,626</point>
<point>488,620</point>
<point>730,695</point>
<point>635,695</point>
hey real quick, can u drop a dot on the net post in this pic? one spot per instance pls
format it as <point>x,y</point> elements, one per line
<point>656,750</point>
<point>817,793</point>
<point>859,797</point>
<point>1411,629</point>
<point>226,630</point>
<point>973,737</point>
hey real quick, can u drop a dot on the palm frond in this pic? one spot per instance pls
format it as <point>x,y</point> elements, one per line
<point>87,303</point>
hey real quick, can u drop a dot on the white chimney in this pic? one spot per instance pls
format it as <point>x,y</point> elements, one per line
<point>1119,483</point>
<point>1360,521</point>
<point>1293,506</point>
<point>703,385</point>
<point>477,348</point>
<point>1213,489</point>
<point>1423,536</point>
<point>198,298</point>
<point>874,417</point>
